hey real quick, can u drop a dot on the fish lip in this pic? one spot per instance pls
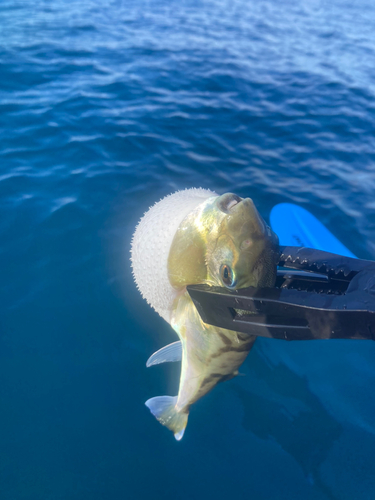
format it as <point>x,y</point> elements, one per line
<point>227,202</point>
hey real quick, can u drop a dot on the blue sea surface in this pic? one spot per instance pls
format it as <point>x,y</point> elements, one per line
<point>106,107</point>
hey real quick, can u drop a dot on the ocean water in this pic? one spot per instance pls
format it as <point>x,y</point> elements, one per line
<point>106,107</point>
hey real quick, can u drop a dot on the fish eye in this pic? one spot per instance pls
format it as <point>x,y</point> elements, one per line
<point>227,275</point>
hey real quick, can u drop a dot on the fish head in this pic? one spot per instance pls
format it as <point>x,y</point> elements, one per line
<point>243,251</point>
<point>224,242</point>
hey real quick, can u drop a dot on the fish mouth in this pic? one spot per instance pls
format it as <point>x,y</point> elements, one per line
<point>227,201</point>
<point>231,204</point>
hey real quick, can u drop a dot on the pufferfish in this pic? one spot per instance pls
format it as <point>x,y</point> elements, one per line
<point>197,237</point>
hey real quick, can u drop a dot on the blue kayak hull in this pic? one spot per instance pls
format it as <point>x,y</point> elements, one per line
<point>296,226</point>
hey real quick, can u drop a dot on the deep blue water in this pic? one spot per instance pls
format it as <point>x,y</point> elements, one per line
<point>105,107</point>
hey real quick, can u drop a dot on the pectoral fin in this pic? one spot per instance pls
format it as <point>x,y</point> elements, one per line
<point>171,352</point>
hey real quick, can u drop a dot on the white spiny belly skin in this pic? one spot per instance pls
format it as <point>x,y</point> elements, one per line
<point>209,355</point>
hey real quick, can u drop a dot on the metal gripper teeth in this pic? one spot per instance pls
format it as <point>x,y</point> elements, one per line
<point>345,271</point>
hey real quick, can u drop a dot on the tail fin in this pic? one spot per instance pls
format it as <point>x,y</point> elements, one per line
<point>164,409</point>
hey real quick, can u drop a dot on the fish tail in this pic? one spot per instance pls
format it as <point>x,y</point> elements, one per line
<point>164,409</point>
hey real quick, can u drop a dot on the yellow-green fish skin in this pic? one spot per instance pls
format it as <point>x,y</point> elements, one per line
<point>209,355</point>
<point>223,231</point>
